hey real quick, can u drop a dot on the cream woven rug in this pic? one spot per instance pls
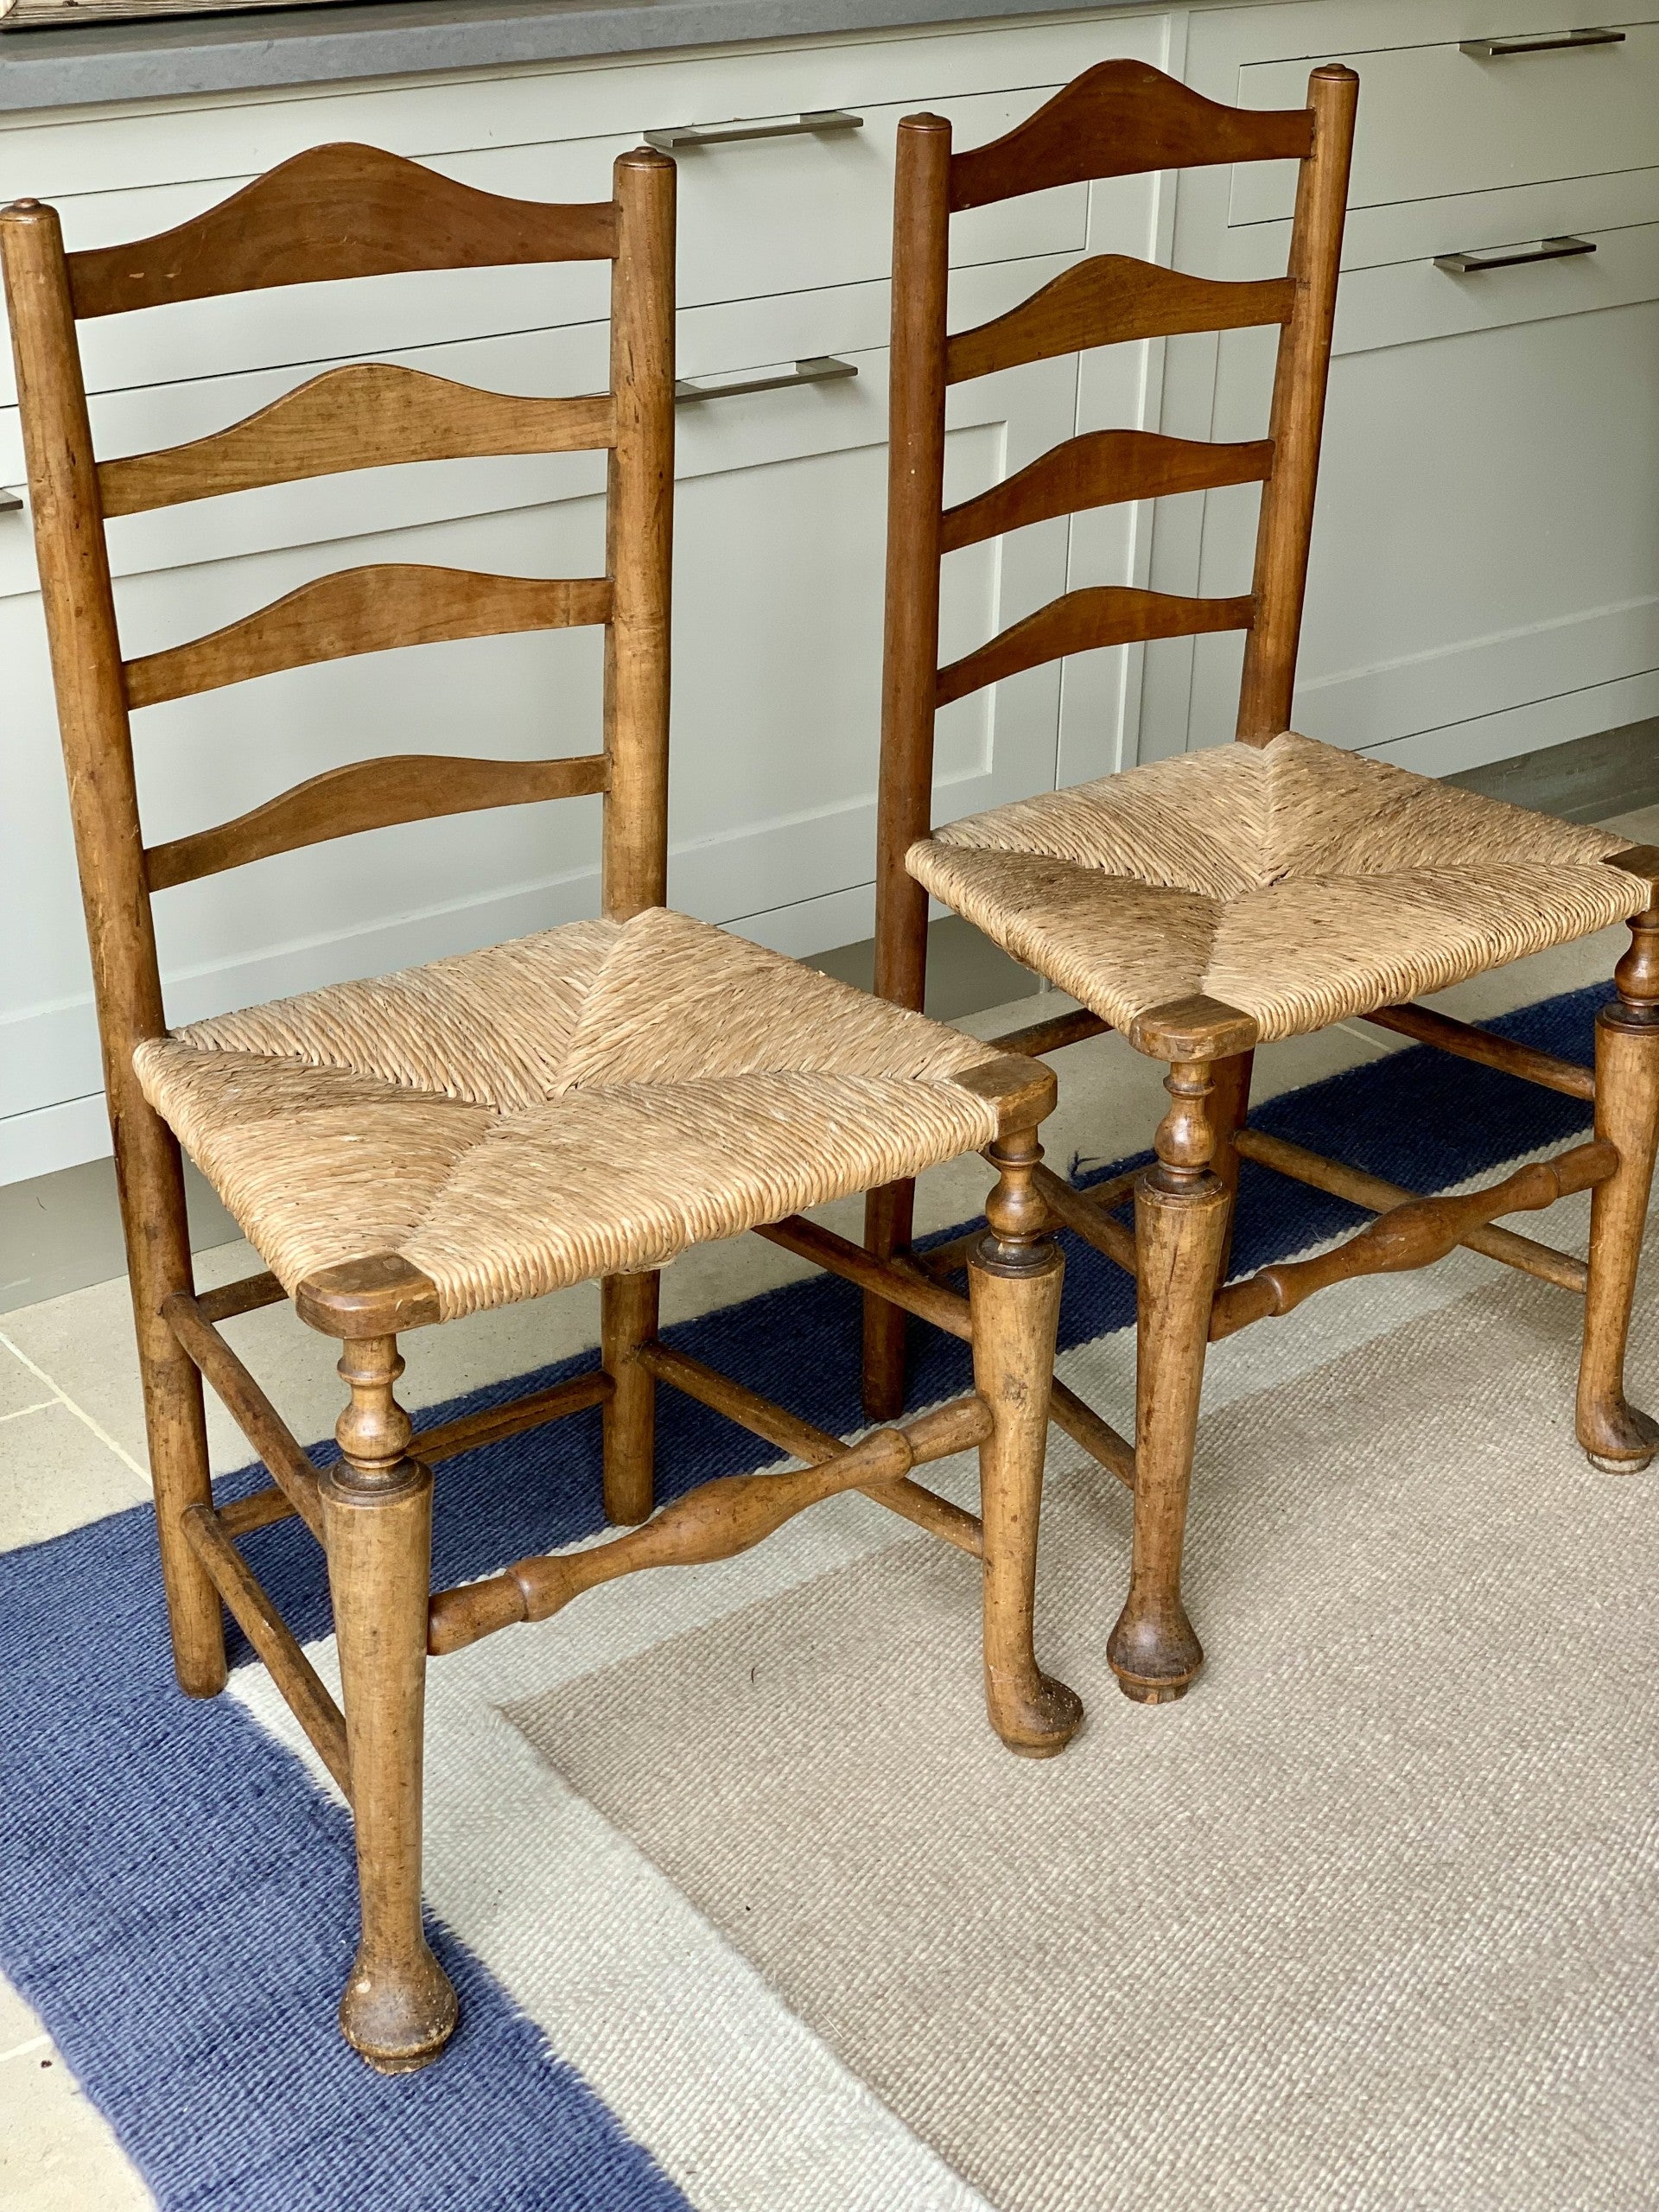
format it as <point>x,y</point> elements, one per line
<point>1368,1923</point>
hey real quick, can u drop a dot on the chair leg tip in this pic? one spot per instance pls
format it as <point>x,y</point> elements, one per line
<point>1143,1692</point>
<point>1606,1466</point>
<point>1618,1440</point>
<point>399,2020</point>
<point>1156,1660</point>
<point>1037,1725</point>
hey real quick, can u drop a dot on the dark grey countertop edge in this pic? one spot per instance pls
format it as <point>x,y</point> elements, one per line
<point>155,60</point>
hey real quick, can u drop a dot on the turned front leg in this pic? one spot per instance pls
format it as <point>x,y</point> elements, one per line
<point>1614,1435</point>
<point>398,2009</point>
<point>1182,1209</point>
<point>1013,1287</point>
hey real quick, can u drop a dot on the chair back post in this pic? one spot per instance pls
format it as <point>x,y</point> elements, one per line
<point>1298,416</point>
<point>915,498</point>
<point>85,644</point>
<point>85,651</point>
<point>639,527</point>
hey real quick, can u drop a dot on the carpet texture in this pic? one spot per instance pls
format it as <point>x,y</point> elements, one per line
<point>1371,1919</point>
<point>749,1914</point>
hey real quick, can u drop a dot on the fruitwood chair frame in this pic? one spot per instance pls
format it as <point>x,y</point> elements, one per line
<point>1118,119</point>
<point>346,212</point>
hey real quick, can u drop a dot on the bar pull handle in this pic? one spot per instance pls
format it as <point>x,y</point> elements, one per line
<point>1497,49</point>
<point>1513,256</point>
<point>818,122</point>
<point>820,368</point>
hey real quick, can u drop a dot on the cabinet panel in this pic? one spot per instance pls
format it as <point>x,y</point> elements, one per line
<point>756,219</point>
<point>1460,570</point>
<point>1435,121</point>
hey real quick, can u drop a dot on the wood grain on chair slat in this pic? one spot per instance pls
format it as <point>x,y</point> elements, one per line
<point>371,415</point>
<point>335,211</point>
<point>1116,120</point>
<point>1099,470</point>
<point>366,611</point>
<point>369,795</point>
<point>1107,614</point>
<point>1108,301</point>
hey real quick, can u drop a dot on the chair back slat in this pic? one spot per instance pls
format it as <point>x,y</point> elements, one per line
<point>331,212</point>
<point>369,795</point>
<point>1109,301</point>
<point>1081,621</point>
<point>370,415</point>
<point>367,610</point>
<point>1116,120</point>
<point>1102,469</point>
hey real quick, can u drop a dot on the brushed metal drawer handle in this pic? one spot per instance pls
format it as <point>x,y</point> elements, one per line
<point>1471,264</point>
<point>818,122</point>
<point>820,368</point>
<point>1495,49</point>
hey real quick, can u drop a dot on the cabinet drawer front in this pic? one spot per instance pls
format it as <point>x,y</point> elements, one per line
<point>1435,121</point>
<point>1486,536</point>
<point>758,217</point>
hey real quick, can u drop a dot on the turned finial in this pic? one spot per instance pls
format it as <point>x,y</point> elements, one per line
<point>1185,1141</point>
<point>1638,973</point>
<point>373,1432</point>
<point>1017,1240</point>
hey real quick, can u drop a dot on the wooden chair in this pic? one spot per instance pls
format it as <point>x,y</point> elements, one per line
<point>1255,891</point>
<point>583,1103</point>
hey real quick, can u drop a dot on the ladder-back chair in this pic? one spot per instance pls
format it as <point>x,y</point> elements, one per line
<point>1254,890</point>
<point>584,1104</point>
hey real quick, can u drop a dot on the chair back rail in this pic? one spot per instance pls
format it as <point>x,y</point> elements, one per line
<point>369,795</point>
<point>371,415</point>
<point>1109,301</point>
<point>1116,120</point>
<point>366,611</point>
<point>339,212</point>
<point>334,212</point>
<point>1081,621</point>
<point>1102,469</point>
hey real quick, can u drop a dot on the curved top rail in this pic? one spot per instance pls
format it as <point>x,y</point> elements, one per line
<point>1116,120</point>
<point>335,211</point>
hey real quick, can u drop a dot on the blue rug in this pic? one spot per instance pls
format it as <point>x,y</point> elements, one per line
<point>177,1900</point>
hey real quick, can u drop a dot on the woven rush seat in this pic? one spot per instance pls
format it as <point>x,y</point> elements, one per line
<point>1299,883</point>
<point>526,1117</point>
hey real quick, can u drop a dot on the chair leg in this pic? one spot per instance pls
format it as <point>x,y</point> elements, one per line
<point>1013,1281</point>
<point>628,1306</point>
<point>158,1263</point>
<point>398,2009</point>
<point>1181,1212</point>
<point>1230,1108</point>
<point>1616,1437</point>
<point>889,1215</point>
